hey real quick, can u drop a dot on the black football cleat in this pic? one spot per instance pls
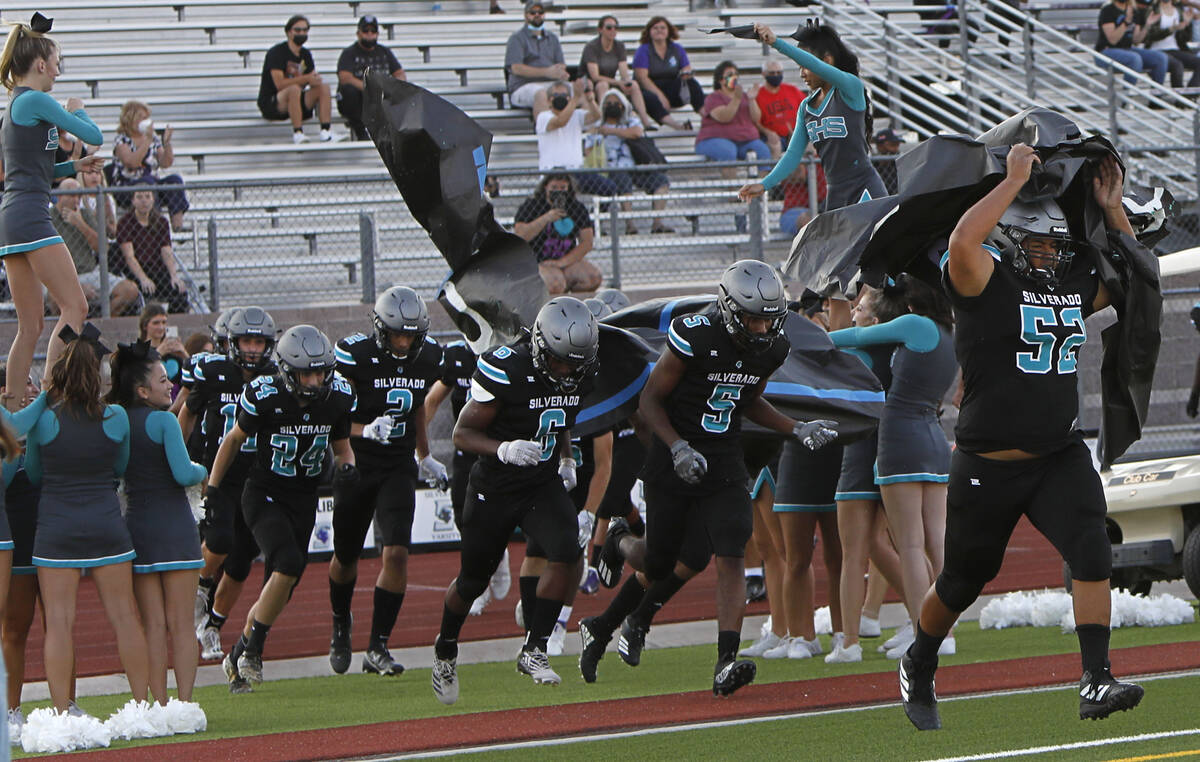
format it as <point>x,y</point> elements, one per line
<point>339,645</point>
<point>917,693</point>
<point>611,561</point>
<point>1101,694</point>
<point>731,675</point>
<point>633,640</point>
<point>595,641</point>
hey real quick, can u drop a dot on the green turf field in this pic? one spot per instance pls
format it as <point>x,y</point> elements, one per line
<point>356,699</point>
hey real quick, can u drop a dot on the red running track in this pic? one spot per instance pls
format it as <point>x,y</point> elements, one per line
<point>304,627</point>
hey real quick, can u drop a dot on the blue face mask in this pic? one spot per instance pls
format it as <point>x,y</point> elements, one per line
<point>536,28</point>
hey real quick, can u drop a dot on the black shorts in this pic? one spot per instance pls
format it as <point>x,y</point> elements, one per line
<point>628,457</point>
<point>690,528</point>
<point>386,494</point>
<point>544,512</point>
<point>270,110</point>
<point>282,523</point>
<point>241,556</point>
<point>21,501</point>
<point>1061,493</point>
<point>857,480</point>
<point>808,479</point>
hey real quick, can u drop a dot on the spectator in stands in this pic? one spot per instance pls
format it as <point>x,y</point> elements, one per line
<point>887,143</point>
<point>533,58</point>
<point>778,102</point>
<point>366,54</point>
<point>291,88</point>
<point>92,179</point>
<point>729,126</point>
<point>797,204</point>
<point>559,129</point>
<point>664,73</point>
<point>164,338</point>
<point>139,153</point>
<point>618,125</point>
<point>77,226</point>
<point>559,230</point>
<point>604,62</point>
<point>1166,22</point>
<point>145,241</point>
<point>1121,26</point>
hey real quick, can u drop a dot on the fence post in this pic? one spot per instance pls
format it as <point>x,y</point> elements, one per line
<point>1196,142</point>
<point>756,227</point>
<point>368,240</point>
<point>102,250</point>
<point>614,238</point>
<point>814,203</point>
<point>970,100</point>
<point>1114,133</point>
<point>214,279</point>
<point>894,91</point>
<point>1030,70</point>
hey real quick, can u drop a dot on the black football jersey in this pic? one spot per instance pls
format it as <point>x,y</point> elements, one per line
<point>458,365</point>
<point>527,408</point>
<point>705,407</point>
<point>1017,344</point>
<point>292,439</point>
<point>384,385</point>
<point>217,384</point>
<point>187,376</point>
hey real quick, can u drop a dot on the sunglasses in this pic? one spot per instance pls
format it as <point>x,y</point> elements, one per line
<point>535,13</point>
<point>609,26</point>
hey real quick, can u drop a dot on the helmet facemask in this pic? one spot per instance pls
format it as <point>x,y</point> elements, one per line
<point>541,353</point>
<point>383,339</point>
<point>1035,239</point>
<point>291,382</point>
<point>734,314</point>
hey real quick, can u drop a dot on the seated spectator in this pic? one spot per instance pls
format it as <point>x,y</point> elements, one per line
<point>139,154</point>
<point>199,342</point>
<point>887,143</point>
<point>1166,22</point>
<point>559,130</point>
<point>664,73</point>
<point>164,338</point>
<point>76,223</point>
<point>1121,26</point>
<point>366,54</point>
<point>145,241</point>
<point>559,230</point>
<point>779,104</point>
<point>533,58</point>
<point>291,88</point>
<point>618,125</point>
<point>729,123</point>
<point>604,62</point>
<point>92,179</point>
<point>797,205</point>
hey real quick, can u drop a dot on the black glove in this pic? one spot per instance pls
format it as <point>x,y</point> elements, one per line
<point>689,464</point>
<point>815,434</point>
<point>346,475</point>
<point>217,502</point>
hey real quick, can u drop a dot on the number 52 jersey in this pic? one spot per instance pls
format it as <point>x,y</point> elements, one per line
<point>291,439</point>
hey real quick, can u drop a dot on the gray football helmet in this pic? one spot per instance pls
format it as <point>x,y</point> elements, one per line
<point>220,330</point>
<point>565,330</point>
<point>599,309</point>
<point>750,288</point>
<point>251,321</point>
<point>615,300</point>
<point>1044,219</point>
<point>300,348</point>
<point>401,310</point>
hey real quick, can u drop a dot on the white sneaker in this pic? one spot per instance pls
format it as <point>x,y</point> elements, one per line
<point>16,722</point>
<point>948,647</point>
<point>519,614</point>
<point>767,641</point>
<point>902,634</point>
<point>805,649</point>
<point>75,710</point>
<point>765,628</point>
<point>299,137</point>
<point>501,580</point>
<point>780,650</point>
<point>333,136</point>
<point>445,680</point>
<point>535,664</point>
<point>480,603</point>
<point>200,608</point>
<point>838,639</point>
<point>868,627</point>
<point>844,654</point>
<point>210,644</point>
<point>896,651</point>
<point>558,636</point>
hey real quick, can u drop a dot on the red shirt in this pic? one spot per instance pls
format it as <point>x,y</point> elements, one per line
<point>779,109</point>
<point>796,194</point>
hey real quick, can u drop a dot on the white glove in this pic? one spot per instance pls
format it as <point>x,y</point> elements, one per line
<point>378,430</point>
<point>587,522</point>
<point>433,473</point>
<point>566,470</point>
<point>519,452</point>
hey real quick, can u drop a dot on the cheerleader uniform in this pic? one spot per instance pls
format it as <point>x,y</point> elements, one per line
<point>20,422</point>
<point>857,478</point>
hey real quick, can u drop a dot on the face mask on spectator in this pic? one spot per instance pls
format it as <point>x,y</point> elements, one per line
<point>300,39</point>
<point>536,27</point>
<point>774,79</point>
<point>613,110</point>
<point>367,43</point>
<point>559,102</point>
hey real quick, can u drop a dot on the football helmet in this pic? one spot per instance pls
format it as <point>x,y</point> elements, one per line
<point>219,331</point>
<point>251,321</point>
<point>615,300</point>
<point>565,330</point>
<point>1022,221</point>
<point>301,348</point>
<point>401,310</point>
<point>750,288</point>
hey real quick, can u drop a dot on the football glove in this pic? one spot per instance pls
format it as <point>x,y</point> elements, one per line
<point>378,430</point>
<point>519,452</point>
<point>566,470</point>
<point>689,464</point>
<point>587,522</point>
<point>815,434</point>
<point>433,473</point>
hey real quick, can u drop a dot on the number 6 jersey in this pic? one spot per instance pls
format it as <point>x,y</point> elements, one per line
<point>1017,343</point>
<point>292,440</point>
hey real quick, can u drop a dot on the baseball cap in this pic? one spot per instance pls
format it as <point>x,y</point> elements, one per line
<point>368,21</point>
<point>888,136</point>
<point>534,4</point>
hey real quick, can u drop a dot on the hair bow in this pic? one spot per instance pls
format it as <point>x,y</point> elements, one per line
<point>89,334</point>
<point>139,351</point>
<point>40,23</point>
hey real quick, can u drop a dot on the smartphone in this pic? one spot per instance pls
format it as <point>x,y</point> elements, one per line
<point>173,331</point>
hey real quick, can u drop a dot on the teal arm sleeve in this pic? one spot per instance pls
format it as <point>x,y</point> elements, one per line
<point>866,358</point>
<point>850,86</point>
<point>116,428</point>
<point>24,419</point>
<point>791,157</point>
<point>918,333</point>
<point>33,106</point>
<point>162,427</point>
<point>64,169</point>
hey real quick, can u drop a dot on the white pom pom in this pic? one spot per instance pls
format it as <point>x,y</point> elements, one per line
<point>138,720</point>
<point>185,716</point>
<point>47,730</point>
<point>1048,609</point>
<point>1012,610</point>
<point>823,621</point>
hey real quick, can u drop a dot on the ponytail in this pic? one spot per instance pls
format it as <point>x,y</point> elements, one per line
<point>75,379</point>
<point>130,366</point>
<point>823,40</point>
<point>23,47</point>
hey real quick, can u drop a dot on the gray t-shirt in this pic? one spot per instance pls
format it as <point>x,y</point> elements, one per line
<point>82,255</point>
<point>607,61</point>
<point>524,47</point>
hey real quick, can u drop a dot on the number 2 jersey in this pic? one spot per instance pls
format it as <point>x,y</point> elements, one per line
<point>216,385</point>
<point>384,385</point>
<point>527,408</point>
<point>1017,343</point>
<point>706,406</point>
<point>291,439</point>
